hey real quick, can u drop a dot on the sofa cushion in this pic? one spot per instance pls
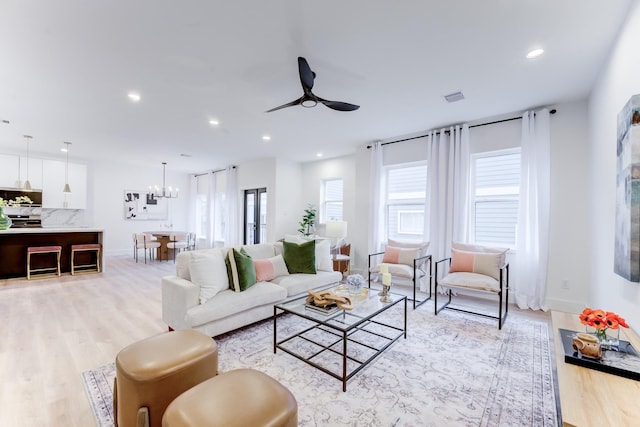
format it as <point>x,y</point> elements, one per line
<point>393,255</point>
<point>183,261</point>
<point>242,274</point>
<point>422,246</point>
<point>399,270</point>
<point>479,282</point>
<point>300,258</point>
<point>208,271</point>
<point>323,249</point>
<point>228,303</point>
<point>476,262</point>
<point>270,268</point>
<point>260,251</point>
<point>297,284</point>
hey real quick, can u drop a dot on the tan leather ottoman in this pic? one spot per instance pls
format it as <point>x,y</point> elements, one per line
<point>152,372</point>
<point>238,398</point>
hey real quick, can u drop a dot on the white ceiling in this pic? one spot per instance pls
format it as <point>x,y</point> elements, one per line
<point>66,67</point>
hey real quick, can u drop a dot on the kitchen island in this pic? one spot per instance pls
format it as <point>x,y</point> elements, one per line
<point>14,243</point>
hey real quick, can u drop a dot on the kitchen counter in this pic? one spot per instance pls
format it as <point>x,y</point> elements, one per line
<point>15,241</point>
<point>42,230</point>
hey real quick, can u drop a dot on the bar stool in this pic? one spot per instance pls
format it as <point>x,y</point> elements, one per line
<point>39,250</point>
<point>85,268</point>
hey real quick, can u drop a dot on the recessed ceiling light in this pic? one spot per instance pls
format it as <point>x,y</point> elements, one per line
<point>318,154</point>
<point>534,53</point>
<point>64,150</point>
<point>266,138</point>
<point>135,97</point>
<point>185,155</point>
<point>214,122</point>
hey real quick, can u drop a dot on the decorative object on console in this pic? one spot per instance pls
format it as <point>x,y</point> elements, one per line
<point>66,188</point>
<point>308,220</point>
<point>328,298</point>
<point>386,285</point>
<point>354,283</point>
<point>597,323</point>
<point>27,184</point>
<point>162,193</point>
<point>627,232</point>
<point>5,220</point>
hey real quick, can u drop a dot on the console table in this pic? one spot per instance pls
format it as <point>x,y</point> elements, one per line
<point>592,398</point>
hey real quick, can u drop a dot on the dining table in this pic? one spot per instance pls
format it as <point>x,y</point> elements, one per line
<point>163,236</point>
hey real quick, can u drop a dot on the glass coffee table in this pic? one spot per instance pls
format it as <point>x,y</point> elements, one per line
<point>343,343</point>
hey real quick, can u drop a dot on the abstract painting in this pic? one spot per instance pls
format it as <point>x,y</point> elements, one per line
<point>627,226</point>
<point>143,205</point>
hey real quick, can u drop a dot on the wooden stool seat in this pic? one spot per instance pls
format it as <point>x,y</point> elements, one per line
<point>45,271</point>
<point>85,268</point>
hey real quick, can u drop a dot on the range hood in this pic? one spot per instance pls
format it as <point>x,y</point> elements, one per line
<point>11,193</point>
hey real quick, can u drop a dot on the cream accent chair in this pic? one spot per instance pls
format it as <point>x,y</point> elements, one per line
<point>474,268</point>
<point>408,264</point>
<point>144,242</point>
<point>178,242</point>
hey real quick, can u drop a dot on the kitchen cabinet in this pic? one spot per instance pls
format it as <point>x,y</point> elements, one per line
<point>53,172</point>
<point>9,170</point>
<point>35,172</point>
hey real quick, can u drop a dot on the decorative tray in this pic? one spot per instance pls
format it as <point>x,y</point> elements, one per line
<point>624,363</point>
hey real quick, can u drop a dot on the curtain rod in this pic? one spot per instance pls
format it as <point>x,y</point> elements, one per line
<point>213,171</point>
<point>553,111</point>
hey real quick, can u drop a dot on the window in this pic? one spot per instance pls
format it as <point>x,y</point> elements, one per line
<point>495,193</point>
<point>405,201</point>
<point>331,200</point>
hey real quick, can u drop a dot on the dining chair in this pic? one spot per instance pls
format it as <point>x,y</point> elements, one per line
<point>178,242</point>
<point>144,242</point>
<point>193,240</point>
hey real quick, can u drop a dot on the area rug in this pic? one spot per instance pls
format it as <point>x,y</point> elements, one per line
<point>453,369</point>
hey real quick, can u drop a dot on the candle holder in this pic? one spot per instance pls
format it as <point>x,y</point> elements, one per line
<point>384,294</point>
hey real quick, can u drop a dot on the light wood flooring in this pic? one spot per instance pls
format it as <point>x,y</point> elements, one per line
<point>56,328</point>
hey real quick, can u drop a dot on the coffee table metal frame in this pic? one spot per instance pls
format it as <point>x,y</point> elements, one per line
<point>342,325</point>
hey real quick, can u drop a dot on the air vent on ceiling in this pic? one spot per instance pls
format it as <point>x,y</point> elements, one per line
<point>455,96</point>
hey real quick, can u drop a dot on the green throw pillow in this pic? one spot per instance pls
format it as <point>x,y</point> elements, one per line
<point>300,258</point>
<point>240,269</point>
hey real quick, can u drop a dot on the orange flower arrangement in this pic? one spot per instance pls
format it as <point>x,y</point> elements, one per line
<point>602,320</point>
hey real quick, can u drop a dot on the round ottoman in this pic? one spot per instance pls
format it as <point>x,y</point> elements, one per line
<point>238,398</point>
<point>152,372</point>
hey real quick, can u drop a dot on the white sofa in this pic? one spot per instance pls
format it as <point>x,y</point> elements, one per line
<point>228,309</point>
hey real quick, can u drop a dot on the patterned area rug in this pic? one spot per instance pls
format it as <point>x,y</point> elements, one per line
<point>453,369</point>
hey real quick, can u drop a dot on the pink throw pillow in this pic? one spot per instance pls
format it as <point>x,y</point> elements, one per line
<point>476,262</point>
<point>269,268</point>
<point>393,255</point>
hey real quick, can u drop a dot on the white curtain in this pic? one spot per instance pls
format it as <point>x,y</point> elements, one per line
<point>231,231</point>
<point>193,197</point>
<point>377,191</point>
<point>210,227</point>
<point>447,189</point>
<point>532,243</point>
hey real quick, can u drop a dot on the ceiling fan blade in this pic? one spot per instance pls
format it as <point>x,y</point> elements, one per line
<point>306,75</point>
<point>340,106</point>
<point>289,104</point>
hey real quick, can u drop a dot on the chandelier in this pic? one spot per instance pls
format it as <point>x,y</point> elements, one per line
<point>163,192</point>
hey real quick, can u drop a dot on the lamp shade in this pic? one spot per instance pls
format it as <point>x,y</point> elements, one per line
<point>336,229</point>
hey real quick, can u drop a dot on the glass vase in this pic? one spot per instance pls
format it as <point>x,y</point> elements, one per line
<point>609,339</point>
<point>5,221</point>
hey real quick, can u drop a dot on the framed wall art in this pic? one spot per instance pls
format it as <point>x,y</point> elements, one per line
<point>627,226</point>
<point>142,205</point>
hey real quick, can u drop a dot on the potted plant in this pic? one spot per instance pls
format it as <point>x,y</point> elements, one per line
<point>308,220</point>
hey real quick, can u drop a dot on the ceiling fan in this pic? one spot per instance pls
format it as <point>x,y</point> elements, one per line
<point>309,100</point>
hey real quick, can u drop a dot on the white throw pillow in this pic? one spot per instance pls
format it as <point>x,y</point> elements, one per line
<point>209,271</point>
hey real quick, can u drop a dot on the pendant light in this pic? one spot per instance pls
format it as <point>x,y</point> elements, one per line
<point>27,184</point>
<point>162,192</point>
<point>67,189</point>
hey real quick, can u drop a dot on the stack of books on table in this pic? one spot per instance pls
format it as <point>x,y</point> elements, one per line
<point>327,309</point>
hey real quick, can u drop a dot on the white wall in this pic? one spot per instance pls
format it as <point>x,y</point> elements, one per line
<point>340,167</point>
<point>287,199</point>
<point>105,202</point>
<point>616,84</point>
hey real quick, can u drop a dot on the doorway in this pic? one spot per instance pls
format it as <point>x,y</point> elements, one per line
<point>255,216</point>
